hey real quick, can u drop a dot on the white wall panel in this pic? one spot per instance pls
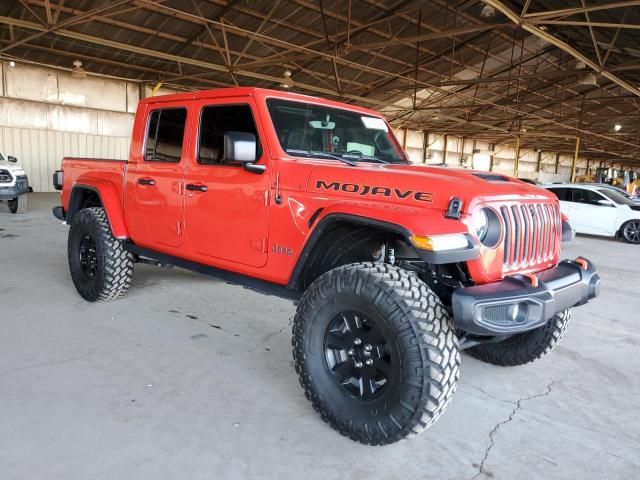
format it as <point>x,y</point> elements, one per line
<point>40,152</point>
<point>31,83</point>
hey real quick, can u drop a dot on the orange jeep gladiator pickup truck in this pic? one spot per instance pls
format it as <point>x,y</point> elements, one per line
<point>396,267</point>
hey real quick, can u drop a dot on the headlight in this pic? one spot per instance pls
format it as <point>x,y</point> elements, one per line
<point>18,172</point>
<point>481,223</point>
<point>487,226</point>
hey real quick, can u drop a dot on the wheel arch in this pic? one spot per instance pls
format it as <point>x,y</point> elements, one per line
<point>339,227</point>
<point>99,194</point>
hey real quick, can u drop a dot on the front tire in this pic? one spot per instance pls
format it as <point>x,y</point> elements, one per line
<point>18,205</point>
<point>630,232</point>
<point>524,347</point>
<point>101,269</point>
<point>376,352</point>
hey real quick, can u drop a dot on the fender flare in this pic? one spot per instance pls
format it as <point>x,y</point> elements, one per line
<point>110,202</point>
<point>328,221</point>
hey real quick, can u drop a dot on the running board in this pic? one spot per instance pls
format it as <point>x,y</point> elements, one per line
<point>251,283</point>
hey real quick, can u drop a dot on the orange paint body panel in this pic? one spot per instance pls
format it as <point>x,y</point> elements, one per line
<point>259,224</point>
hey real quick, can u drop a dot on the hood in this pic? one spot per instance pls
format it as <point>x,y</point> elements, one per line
<point>420,185</point>
<point>12,167</point>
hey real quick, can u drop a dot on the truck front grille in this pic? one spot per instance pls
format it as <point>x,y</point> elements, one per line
<point>532,233</point>
<point>5,176</point>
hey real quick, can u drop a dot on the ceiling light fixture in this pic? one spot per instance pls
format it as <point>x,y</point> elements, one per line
<point>12,63</point>
<point>589,80</point>
<point>617,127</point>
<point>287,81</point>
<point>77,71</point>
<point>488,12</point>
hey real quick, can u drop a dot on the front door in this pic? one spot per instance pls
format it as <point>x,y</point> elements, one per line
<point>590,216</point>
<point>157,181</point>
<point>226,207</point>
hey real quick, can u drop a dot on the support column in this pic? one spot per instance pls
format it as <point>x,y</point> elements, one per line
<point>425,145</point>
<point>575,160</point>
<point>557,161</point>
<point>492,146</point>
<point>539,161</point>
<point>516,163</point>
<point>444,152</point>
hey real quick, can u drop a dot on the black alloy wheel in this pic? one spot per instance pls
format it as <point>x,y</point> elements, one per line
<point>631,231</point>
<point>88,256</point>
<point>358,355</point>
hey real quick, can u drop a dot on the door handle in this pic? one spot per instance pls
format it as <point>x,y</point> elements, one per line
<point>146,181</point>
<point>196,187</point>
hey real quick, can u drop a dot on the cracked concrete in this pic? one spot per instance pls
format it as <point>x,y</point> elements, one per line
<point>140,389</point>
<point>516,408</point>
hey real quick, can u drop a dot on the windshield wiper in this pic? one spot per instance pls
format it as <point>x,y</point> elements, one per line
<point>311,153</point>
<point>362,156</point>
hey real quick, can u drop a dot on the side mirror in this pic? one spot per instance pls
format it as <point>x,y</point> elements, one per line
<point>606,203</point>
<point>11,158</point>
<point>240,147</point>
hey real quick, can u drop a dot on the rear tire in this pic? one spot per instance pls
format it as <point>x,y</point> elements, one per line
<point>630,232</point>
<point>388,321</point>
<point>524,347</point>
<point>18,205</point>
<point>101,269</point>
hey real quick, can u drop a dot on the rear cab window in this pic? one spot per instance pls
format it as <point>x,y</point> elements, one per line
<point>165,135</point>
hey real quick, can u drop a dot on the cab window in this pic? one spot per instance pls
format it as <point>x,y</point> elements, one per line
<point>165,134</point>
<point>215,121</point>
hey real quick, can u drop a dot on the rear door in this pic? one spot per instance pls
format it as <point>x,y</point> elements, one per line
<point>157,180</point>
<point>226,207</point>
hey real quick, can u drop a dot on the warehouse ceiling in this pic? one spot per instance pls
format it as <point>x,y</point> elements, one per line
<point>546,71</point>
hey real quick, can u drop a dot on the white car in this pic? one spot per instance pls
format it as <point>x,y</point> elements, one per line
<point>599,210</point>
<point>14,184</point>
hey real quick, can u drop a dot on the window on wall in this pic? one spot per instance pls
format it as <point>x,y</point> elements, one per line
<point>215,121</point>
<point>165,135</point>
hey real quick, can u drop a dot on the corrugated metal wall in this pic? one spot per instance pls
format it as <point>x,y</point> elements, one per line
<point>41,151</point>
<point>47,114</point>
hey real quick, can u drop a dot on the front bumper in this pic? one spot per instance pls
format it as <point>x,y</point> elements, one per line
<point>516,304</point>
<point>20,187</point>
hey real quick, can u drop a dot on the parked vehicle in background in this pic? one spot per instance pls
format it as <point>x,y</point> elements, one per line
<point>397,267</point>
<point>599,210</point>
<point>14,184</point>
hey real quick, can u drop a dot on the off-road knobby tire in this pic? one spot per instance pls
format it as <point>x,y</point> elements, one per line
<point>18,205</point>
<point>524,347</point>
<point>420,330</point>
<point>114,264</point>
<point>623,233</point>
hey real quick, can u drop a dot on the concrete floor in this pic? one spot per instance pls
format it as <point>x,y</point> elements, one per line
<point>191,378</point>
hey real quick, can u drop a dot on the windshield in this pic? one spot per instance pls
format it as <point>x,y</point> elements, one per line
<point>317,131</point>
<point>2,157</point>
<point>620,198</point>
